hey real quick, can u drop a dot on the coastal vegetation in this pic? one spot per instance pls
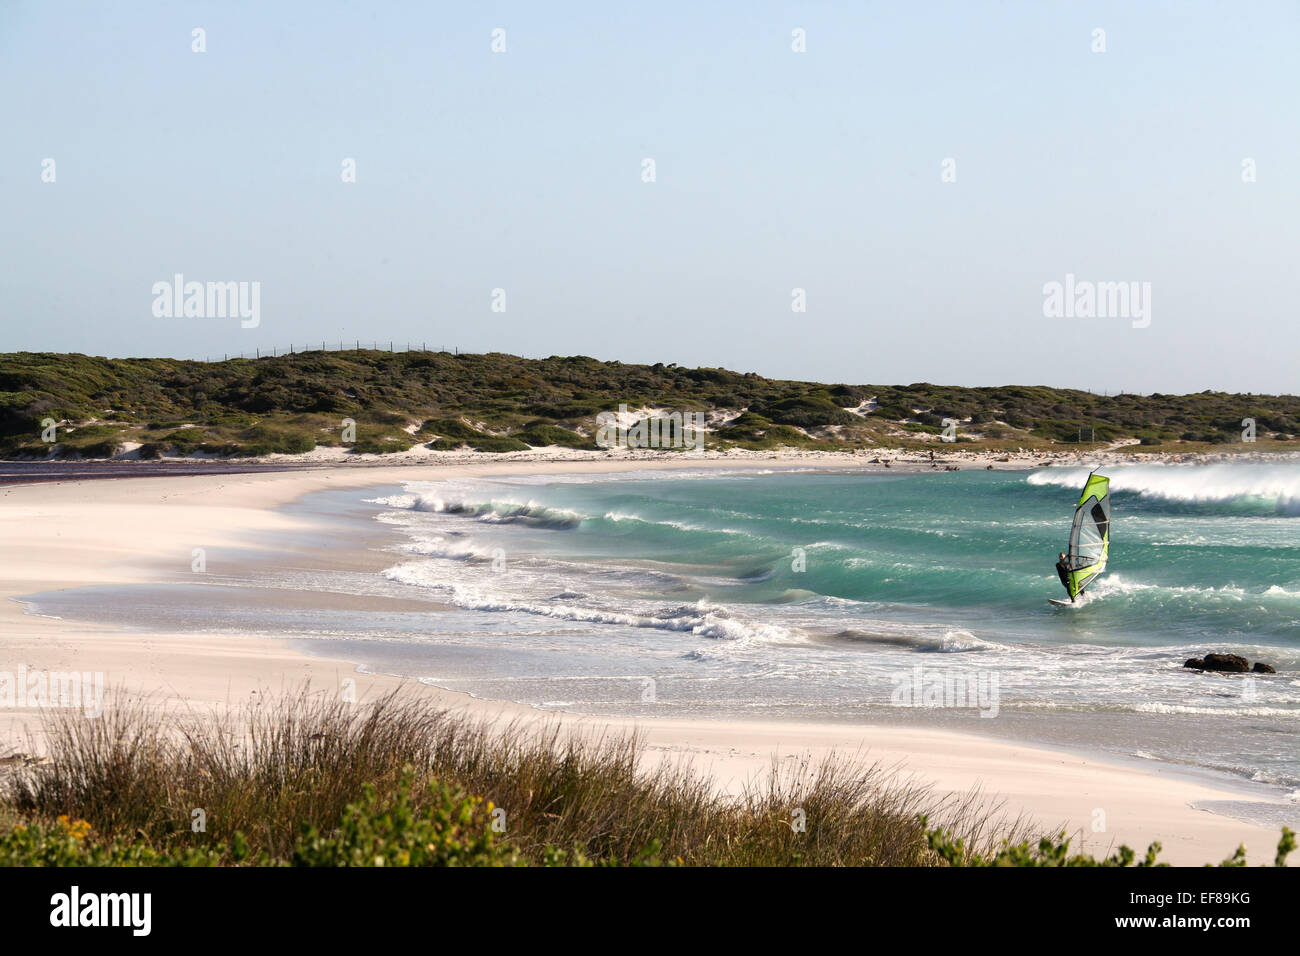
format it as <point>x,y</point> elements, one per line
<point>292,403</point>
<point>308,780</point>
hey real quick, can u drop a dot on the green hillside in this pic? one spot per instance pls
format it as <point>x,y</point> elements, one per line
<point>498,402</point>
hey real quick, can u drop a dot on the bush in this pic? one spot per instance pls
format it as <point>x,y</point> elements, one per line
<point>895,413</point>
<point>451,829</point>
<point>450,428</point>
<point>68,842</point>
<point>101,449</point>
<point>807,411</point>
<point>380,445</point>
<point>269,440</point>
<point>1056,852</point>
<point>540,436</point>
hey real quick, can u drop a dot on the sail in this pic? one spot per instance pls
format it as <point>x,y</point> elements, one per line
<point>1090,534</point>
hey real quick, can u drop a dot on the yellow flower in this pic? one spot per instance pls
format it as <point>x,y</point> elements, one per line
<point>77,829</point>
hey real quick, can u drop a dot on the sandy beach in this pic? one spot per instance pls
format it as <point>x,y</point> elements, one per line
<point>69,534</point>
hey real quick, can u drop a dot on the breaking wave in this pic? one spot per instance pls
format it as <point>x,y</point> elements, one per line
<point>489,512</point>
<point>700,619</point>
<point>1266,488</point>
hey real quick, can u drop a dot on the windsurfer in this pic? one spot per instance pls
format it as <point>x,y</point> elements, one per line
<point>1063,572</point>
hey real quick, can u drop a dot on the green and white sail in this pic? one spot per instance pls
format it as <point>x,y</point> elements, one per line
<point>1090,535</point>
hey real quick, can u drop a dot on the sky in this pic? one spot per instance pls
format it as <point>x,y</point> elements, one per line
<point>921,171</point>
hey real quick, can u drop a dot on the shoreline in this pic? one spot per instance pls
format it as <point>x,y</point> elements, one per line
<point>905,460</point>
<point>56,537</point>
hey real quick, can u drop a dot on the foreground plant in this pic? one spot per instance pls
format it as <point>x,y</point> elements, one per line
<point>451,829</point>
<point>309,780</point>
<point>1056,852</point>
<point>175,782</point>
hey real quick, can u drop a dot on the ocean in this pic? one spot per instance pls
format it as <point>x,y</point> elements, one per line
<point>857,597</point>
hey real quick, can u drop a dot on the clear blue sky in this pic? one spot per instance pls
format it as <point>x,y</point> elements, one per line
<point>775,170</point>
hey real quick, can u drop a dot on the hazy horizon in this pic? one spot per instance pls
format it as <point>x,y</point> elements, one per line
<point>1165,160</point>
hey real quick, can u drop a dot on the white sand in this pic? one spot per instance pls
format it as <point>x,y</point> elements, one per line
<point>73,534</point>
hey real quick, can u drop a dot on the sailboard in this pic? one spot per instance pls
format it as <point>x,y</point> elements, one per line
<point>1089,538</point>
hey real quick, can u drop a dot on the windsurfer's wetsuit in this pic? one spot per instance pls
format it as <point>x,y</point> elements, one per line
<point>1063,572</point>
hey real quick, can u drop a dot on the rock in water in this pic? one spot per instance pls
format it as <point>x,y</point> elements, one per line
<point>1229,663</point>
<point>1233,663</point>
<point>1262,668</point>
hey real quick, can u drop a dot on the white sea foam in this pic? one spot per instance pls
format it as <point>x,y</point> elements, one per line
<point>1157,707</point>
<point>405,502</point>
<point>701,619</point>
<point>456,548</point>
<point>1275,485</point>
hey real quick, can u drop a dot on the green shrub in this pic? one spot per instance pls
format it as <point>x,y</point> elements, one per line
<point>813,410</point>
<point>893,412</point>
<point>1051,852</point>
<point>381,445</point>
<point>449,428</point>
<point>269,440</point>
<point>450,829</point>
<point>69,842</point>
<point>101,449</point>
<point>541,436</point>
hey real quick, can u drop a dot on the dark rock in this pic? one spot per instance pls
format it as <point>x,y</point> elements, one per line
<point>1195,662</point>
<point>1232,663</point>
<point>1262,668</point>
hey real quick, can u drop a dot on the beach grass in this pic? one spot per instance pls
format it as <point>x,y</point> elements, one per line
<point>309,780</point>
<point>278,777</point>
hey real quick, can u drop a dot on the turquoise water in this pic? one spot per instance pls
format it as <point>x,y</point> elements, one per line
<point>820,594</point>
<point>970,549</point>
